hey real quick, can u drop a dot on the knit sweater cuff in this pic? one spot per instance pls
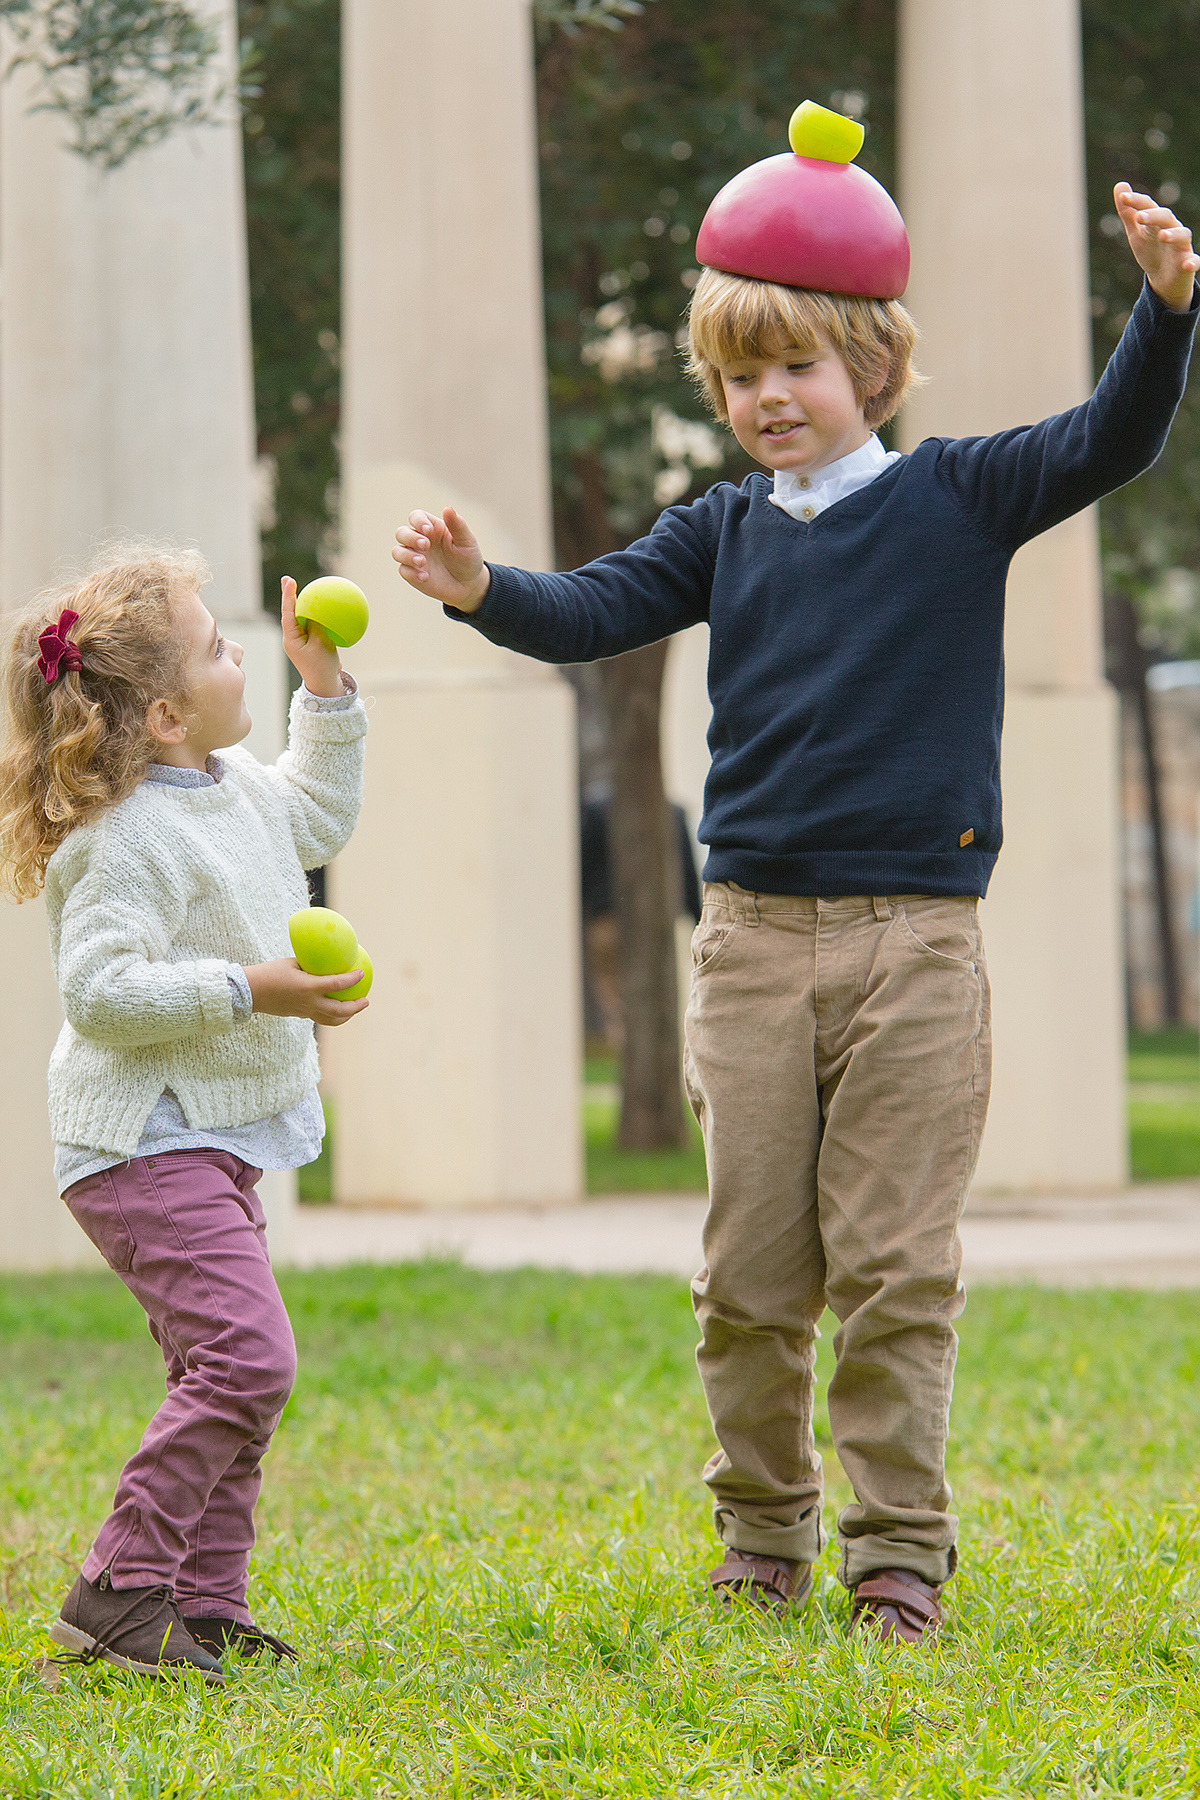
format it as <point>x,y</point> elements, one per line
<point>214,996</point>
<point>329,725</point>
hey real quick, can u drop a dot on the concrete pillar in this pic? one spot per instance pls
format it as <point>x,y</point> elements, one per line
<point>990,115</point>
<point>126,407</point>
<point>462,1081</point>
<point>686,716</point>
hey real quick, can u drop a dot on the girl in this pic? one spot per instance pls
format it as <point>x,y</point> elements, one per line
<point>187,1063</point>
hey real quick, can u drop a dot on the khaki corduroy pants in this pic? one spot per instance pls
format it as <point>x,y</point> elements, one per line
<point>838,1058</point>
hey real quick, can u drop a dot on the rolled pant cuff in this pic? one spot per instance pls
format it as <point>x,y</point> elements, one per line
<point>131,1576</point>
<point>801,1542</point>
<point>862,1556</point>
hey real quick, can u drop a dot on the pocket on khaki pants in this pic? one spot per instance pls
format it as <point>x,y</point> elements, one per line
<point>946,928</point>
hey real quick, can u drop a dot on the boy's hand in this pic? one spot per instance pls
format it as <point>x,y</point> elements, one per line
<point>440,557</point>
<point>1161,245</point>
<point>282,988</point>
<point>315,660</point>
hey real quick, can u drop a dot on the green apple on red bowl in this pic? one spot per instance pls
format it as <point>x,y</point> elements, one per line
<point>335,608</point>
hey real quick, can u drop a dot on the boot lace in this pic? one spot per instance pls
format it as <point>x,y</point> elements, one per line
<point>161,1600</point>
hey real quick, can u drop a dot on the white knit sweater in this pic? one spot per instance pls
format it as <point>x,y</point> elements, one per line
<point>148,904</point>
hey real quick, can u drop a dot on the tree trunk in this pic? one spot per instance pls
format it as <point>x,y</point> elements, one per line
<point>643,854</point>
<point>1131,678</point>
<point>644,858</point>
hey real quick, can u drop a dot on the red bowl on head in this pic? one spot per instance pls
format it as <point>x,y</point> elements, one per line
<point>808,223</point>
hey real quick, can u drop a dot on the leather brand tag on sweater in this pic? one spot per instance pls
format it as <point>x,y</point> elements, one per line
<point>968,837</point>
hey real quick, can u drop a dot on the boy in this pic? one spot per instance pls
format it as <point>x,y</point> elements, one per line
<point>837,1039</point>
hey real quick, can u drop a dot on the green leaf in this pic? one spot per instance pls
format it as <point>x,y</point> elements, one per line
<point>123,73</point>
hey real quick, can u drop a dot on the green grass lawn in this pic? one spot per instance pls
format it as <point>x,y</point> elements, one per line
<point>481,1525</point>
<point>611,1170</point>
<point>1164,1105</point>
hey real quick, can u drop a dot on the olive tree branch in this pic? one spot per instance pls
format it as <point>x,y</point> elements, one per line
<point>123,73</point>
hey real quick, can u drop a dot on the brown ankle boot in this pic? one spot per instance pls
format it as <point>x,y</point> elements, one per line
<point>133,1628</point>
<point>213,1634</point>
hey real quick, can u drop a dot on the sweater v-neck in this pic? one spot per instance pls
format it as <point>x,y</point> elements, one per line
<point>846,504</point>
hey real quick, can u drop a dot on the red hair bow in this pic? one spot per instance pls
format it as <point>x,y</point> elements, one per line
<point>56,650</point>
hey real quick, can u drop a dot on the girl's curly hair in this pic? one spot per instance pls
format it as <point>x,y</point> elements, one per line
<point>79,744</point>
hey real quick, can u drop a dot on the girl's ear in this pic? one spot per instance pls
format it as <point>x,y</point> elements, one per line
<point>164,724</point>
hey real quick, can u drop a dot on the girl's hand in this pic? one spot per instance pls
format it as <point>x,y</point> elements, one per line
<point>314,659</point>
<point>1162,246</point>
<point>282,988</point>
<point>440,557</point>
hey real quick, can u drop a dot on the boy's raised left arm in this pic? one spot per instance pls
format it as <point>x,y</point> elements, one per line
<point>1022,481</point>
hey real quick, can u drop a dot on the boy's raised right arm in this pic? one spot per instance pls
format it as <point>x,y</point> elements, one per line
<point>659,585</point>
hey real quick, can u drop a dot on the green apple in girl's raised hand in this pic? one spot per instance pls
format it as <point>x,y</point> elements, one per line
<point>323,942</point>
<point>360,990</point>
<point>336,608</point>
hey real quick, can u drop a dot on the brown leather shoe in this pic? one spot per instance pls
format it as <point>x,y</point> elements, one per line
<point>214,1634</point>
<point>898,1605</point>
<point>772,1583</point>
<point>132,1628</point>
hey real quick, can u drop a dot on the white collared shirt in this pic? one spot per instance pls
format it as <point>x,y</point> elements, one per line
<point>804,496</point>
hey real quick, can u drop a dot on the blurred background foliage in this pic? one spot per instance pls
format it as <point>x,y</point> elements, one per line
<point>1140,61</point>
<point>638,127</point>
<point>292,124</point>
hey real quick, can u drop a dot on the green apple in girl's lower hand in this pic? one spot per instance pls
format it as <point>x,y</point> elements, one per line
<point>361,989</point>
<point>323,942</point>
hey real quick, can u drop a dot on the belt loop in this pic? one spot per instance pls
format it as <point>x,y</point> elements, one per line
<point>882,905</point>
<point>751,904</point>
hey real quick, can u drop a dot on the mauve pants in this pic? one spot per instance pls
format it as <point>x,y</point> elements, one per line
<point>186,1234</point>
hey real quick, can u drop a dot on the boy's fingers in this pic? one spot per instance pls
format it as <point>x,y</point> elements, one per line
<point>456,525</point>
<point>413,568</point>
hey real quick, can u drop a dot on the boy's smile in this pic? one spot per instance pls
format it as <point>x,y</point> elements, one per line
<point>795,409</point>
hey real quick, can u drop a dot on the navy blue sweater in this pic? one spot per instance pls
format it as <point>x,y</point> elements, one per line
<point>856,666</point>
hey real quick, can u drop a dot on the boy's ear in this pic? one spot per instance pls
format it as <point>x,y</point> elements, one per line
<point>879,379</point>
<point>164,724</point>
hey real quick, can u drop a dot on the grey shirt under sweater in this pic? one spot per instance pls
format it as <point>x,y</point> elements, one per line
<point>287,1140</point>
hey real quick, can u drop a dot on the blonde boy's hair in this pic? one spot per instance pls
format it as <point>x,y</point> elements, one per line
<point>79,744</point>
<point>732,318</point>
